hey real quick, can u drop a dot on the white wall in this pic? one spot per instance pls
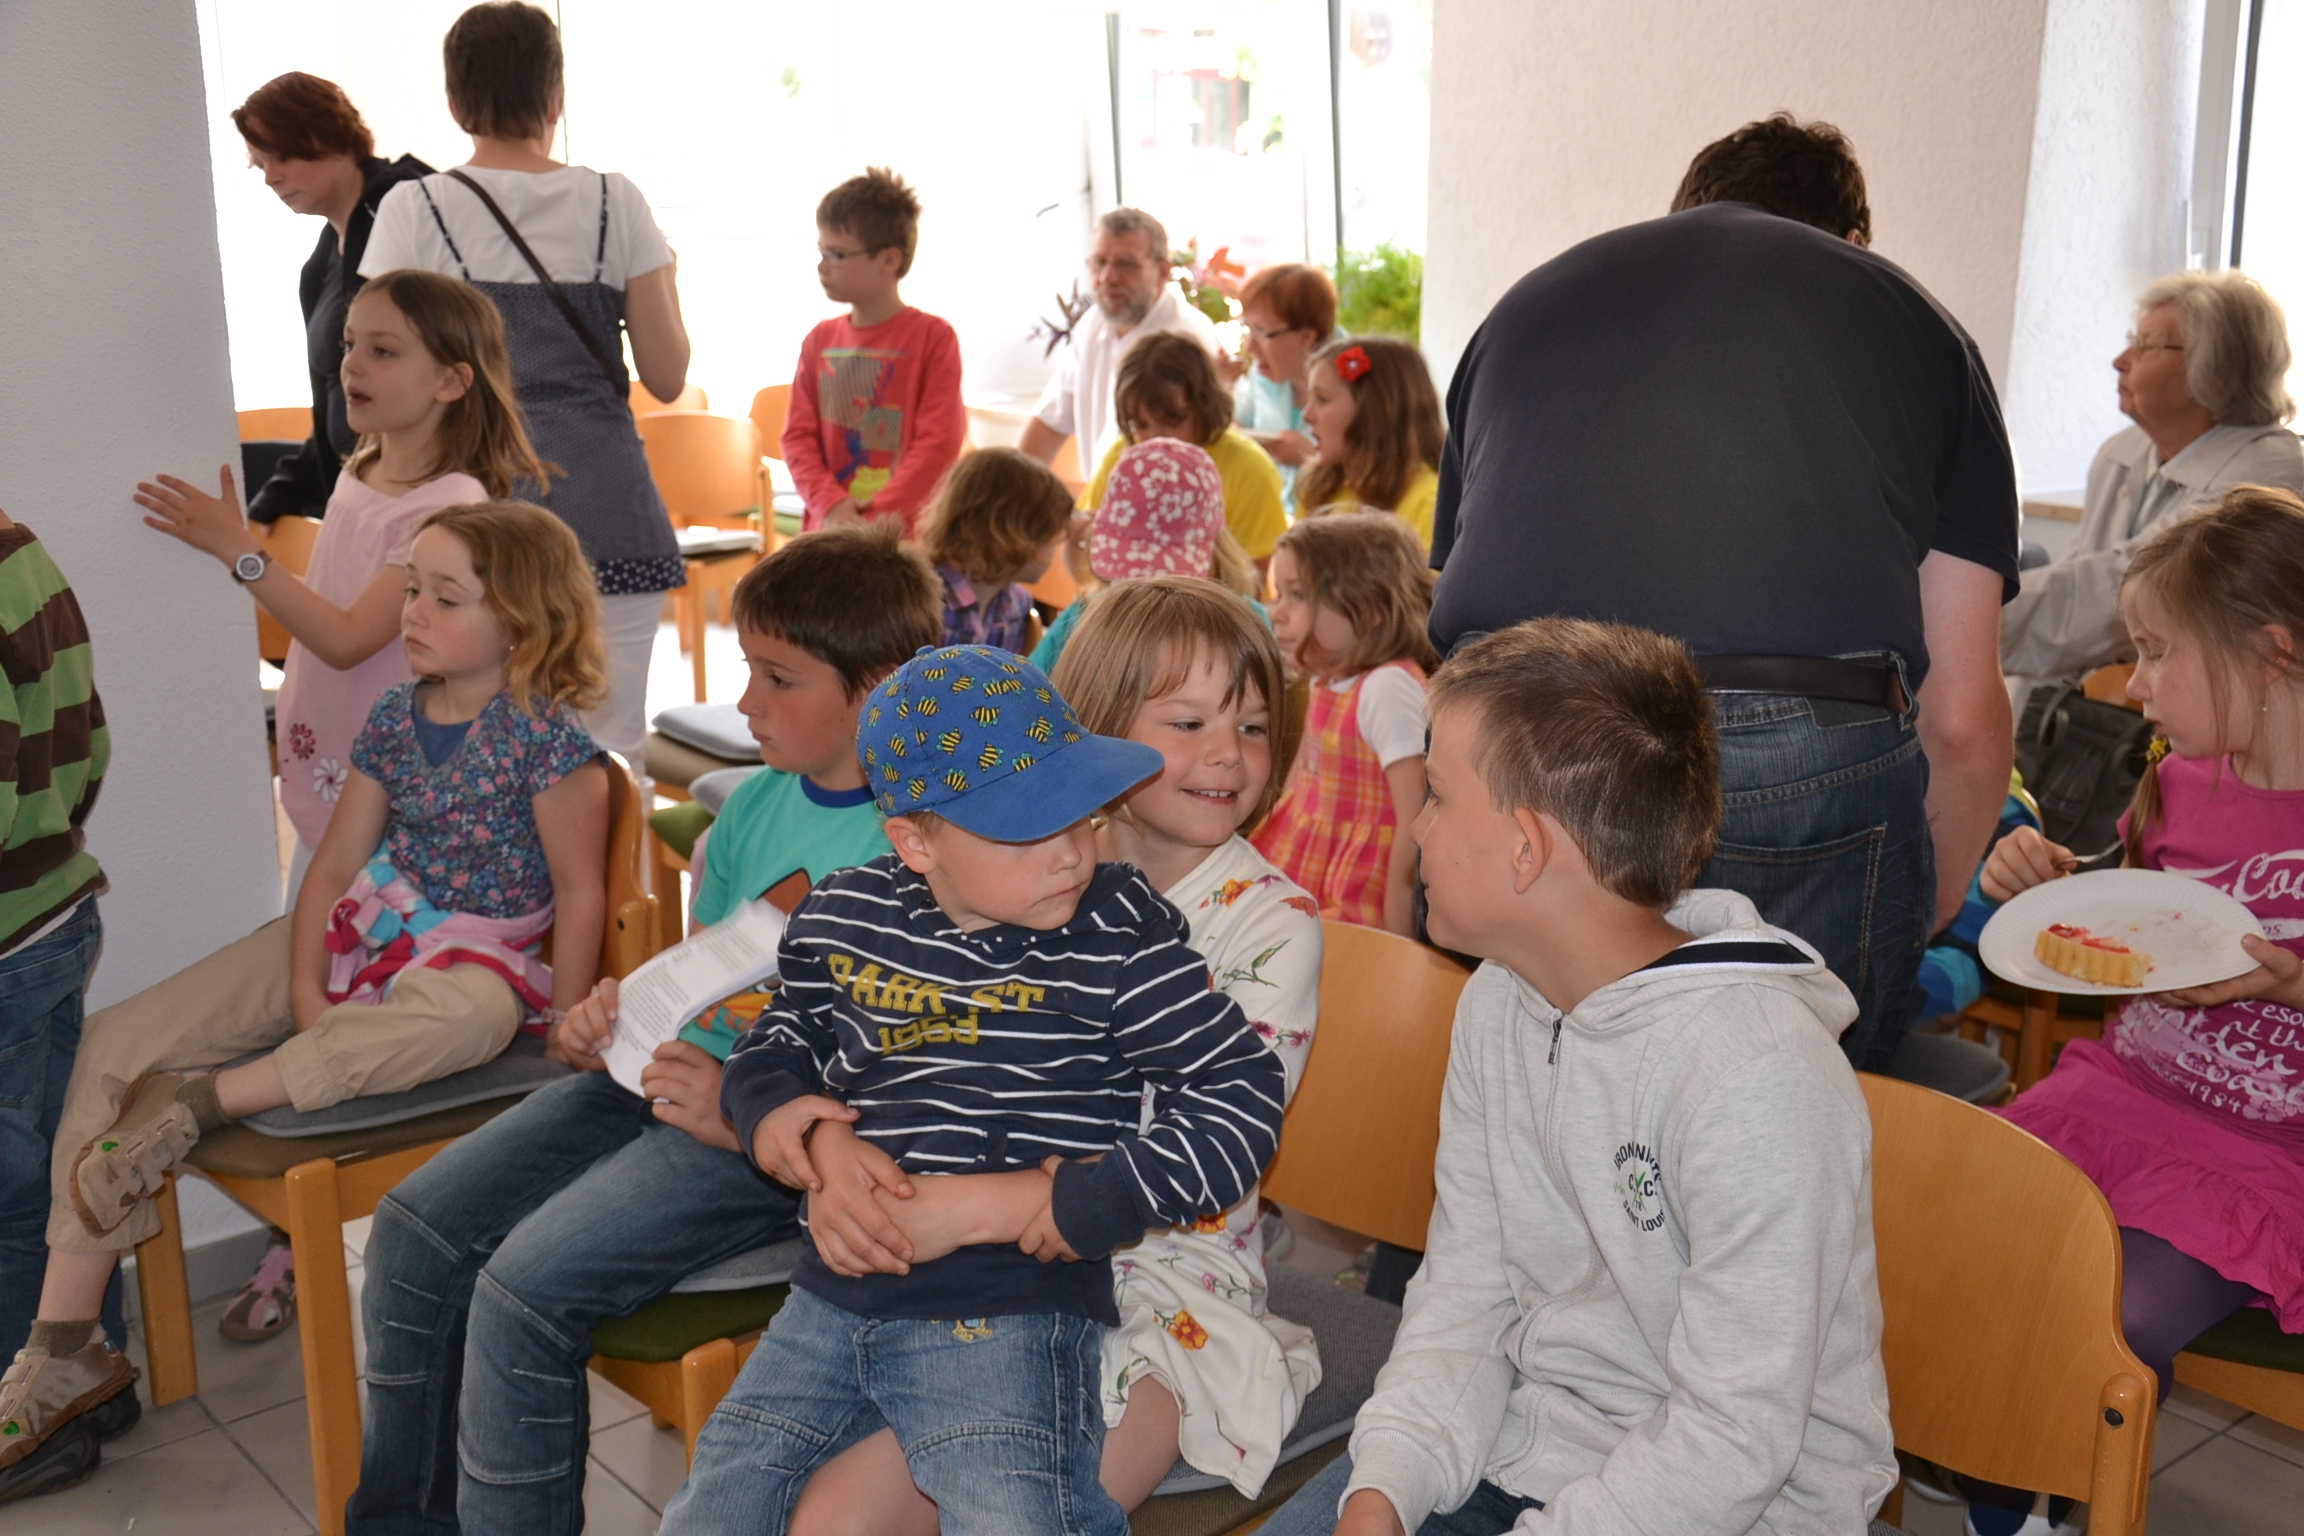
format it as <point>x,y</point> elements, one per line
<point>1554,120</point>
<point>2104,215</point>
<point>2027,160</point>
<point>112,367</point>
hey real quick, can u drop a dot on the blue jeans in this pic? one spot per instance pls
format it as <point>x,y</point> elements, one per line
<point>486,1271</point>
<point>1825,827</point>
<point>43,993</point>
<point>998,1417</point>
<point>1312,1512</point>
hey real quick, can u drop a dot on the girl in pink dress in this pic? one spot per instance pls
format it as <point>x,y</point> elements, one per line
<point>428,386</point>
<point>2190,1114</point>
<point>1352,592</point>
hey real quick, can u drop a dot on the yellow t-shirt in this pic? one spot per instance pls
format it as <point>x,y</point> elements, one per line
<point>1416,503</point>
<point>1252,508</point>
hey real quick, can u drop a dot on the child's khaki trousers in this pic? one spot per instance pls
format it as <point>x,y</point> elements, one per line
<point>433,1023</point>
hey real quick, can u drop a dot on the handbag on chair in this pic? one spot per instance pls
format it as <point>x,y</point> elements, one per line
<point>2081,760</point>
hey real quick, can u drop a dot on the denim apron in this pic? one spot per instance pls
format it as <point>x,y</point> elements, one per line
<point>581,423</point>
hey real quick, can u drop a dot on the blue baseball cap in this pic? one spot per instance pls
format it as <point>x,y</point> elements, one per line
<point>978,736</point>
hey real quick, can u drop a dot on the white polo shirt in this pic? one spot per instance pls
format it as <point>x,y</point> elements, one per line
<point>1078,399</point>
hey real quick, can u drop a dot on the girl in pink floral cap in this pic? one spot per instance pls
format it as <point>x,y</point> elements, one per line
<point>1163,515</point>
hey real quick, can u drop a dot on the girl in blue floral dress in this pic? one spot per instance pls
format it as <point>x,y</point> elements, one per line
<point>474,819</point>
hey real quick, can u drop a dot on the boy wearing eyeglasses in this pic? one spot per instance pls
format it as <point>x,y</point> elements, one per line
<point>875,418</point>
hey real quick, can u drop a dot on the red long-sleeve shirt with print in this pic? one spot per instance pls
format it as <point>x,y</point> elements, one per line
<point>875,415</point>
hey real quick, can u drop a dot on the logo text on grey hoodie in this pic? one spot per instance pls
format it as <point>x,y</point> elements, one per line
<point>1640,1181</point>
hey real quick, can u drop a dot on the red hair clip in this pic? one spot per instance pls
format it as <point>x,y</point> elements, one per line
<point>1352,364</point>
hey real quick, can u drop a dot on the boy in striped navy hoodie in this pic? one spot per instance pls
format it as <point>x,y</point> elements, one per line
<point>986,1000</point>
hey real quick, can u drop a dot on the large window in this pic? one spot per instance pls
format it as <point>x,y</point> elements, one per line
<point>2268,216</point>
<point>1017,121</point>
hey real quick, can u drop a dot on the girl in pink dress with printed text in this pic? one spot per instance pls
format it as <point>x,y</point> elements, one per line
<point>428,386</point>
<point>2190,1114</point>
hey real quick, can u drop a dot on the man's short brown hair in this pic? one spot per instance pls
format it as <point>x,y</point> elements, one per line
<point>1604,728</point>
<point>876,209</point>
<point>504,70</point>
<point>303,117</point>
<point>1171,376</point>
<point>1795,170</point>
<point>850,597</point>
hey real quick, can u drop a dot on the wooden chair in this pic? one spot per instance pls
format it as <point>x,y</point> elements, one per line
<point>2044,1393</point>
<point>313,1185</point>
<point>1387,1005</point>
<point>692,398</point>
<point>290,542</point>
<point>769,408</point>
<point>275,423</point>
<point>1066,464</point>
<point>707,468</point>
<point>2247,1361</point>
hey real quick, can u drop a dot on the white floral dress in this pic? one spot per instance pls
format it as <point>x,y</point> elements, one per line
<point>1192,1298</point>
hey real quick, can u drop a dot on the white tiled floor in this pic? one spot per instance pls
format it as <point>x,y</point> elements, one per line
<point>236,1461</point>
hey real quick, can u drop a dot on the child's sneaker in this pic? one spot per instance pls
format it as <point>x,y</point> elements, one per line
<point>131,1160</point>
<point>1279,1242</point>
<point>48,1434</point>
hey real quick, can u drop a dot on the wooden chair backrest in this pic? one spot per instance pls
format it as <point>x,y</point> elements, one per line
<point>2000,1281</point>
<point>769,408</point>
<point>275,424</point>
<point>1358,1143</point>
<point>2109,685</point>
<point>692,398</point>
<point>705,466</point>
<point>1066,464</point>
<point>289,541</point>
<point>629,936</point>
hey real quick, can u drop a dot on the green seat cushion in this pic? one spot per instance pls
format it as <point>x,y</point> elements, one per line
<point>678,826</point>
<point>670,1326</point>
<point>2251,1336</point>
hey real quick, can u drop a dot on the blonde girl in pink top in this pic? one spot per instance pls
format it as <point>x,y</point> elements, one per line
<point>428,386</point>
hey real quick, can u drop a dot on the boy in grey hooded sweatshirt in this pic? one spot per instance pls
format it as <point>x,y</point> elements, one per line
<point>1649,1301</point>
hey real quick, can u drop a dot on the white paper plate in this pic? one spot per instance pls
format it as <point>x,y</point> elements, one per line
<point>2191,931</point>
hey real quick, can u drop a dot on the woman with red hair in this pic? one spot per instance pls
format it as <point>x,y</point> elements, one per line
<point>318,157</point>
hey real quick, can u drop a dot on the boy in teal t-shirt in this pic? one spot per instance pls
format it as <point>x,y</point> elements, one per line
<point>493,1263</point>
<point>777,835</point>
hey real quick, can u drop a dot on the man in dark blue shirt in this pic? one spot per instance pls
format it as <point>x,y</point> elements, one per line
<point>1738,426</point>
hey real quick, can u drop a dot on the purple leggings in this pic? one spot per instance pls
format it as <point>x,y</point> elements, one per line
<point>2167,1299</point>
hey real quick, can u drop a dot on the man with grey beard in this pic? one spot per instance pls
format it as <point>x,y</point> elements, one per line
<point>1129,266</point>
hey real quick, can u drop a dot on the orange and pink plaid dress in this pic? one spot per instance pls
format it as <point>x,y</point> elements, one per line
<point>1332,832</point>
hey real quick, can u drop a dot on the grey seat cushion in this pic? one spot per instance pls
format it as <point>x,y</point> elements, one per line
<point>1355,1337</point>
<point>711,790</point>
<point>718,730</point>
<point>521,1069</point>
<point>699,543</point>
<point>771,1265</point>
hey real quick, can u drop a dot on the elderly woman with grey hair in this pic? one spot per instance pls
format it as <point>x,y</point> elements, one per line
<point>2204,378</point>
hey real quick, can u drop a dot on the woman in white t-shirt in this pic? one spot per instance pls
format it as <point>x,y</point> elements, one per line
<point>594,268</point>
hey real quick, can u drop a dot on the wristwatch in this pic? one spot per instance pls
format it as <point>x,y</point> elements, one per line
<point>250,566</point>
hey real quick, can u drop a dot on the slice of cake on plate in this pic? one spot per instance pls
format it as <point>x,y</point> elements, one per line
<point>2090,957</point>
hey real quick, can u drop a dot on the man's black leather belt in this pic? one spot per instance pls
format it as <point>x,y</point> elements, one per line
<point>1812,677</point>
